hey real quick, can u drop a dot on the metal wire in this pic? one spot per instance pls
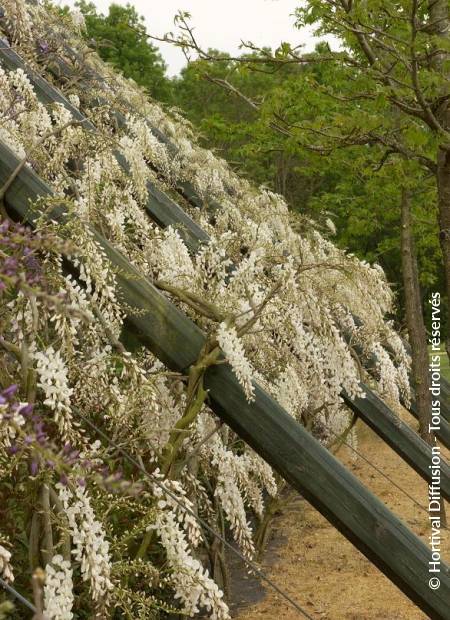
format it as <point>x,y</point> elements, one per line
<point>253,566</point>
<point>249,563</point>
<point>17,595</point>
<point>377,469</point>
<point>202,522</point>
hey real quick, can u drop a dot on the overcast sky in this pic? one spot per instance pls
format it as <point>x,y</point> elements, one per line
<point>220,23</point>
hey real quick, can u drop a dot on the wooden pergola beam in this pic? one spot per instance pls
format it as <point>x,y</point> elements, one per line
<point>286,445</point>
<point>443,433</point>
<point>160,207</point>
<point>164,211</point>
<point>398,435</point>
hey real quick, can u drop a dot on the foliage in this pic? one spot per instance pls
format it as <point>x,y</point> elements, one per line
<point>363,206</point>
<point>121,39</point>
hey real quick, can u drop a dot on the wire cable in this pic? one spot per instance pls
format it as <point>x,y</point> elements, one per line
<point>249,563</point>
<point>17,595</point>
<point>380,471</point>
<point>202,522</point>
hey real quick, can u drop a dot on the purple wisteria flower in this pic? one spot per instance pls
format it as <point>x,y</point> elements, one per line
<point>43,47</point>
<point>31,442</point>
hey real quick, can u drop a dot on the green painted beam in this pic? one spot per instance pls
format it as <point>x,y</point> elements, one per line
<point>164,211</point>
<point>286,445</point>
<point>398,435</point>
<point>61,70</point>
<point>370,364</point>
<point>188,192</point>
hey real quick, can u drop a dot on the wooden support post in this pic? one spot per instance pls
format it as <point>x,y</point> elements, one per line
<point>286,445</point>
<point>443,434</point>
<point>398,435</point>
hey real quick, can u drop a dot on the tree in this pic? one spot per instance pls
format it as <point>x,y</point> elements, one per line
<point>120,38</point>
<point>404,50</point>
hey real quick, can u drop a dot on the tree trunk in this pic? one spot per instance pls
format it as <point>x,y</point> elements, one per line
<point>414,320</point>
<point>443,180</point>
<point>440,25</point>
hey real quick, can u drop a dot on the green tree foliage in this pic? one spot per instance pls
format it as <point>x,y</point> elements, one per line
<point>121,39</point>
<point>232,127</point>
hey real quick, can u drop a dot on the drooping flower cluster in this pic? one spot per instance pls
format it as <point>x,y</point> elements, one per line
<point>6,570</point>
<point>234,351</point>
<point>53,380</point>
<point>91,548</point>
<point>18,18</point>
<point>193,586</point>
<point>58,590</point>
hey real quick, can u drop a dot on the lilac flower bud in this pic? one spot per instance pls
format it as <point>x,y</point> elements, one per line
<point>34,468</point>
<point>73,457</point>
<point>10,390</point>
<point>41,438</point>
<point>26,410</point>
<point>67,448</point>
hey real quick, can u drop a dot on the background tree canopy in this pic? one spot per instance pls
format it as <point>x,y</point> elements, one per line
<point>121,39</point>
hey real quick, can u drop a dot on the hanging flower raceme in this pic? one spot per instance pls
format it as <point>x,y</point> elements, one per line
<point>53,380</point>
<point>6,570</point>
<point>91,547</point>
<point>193,586</point>
<point>277,302</point>
<point>58,590</point>
<point>235,353</point>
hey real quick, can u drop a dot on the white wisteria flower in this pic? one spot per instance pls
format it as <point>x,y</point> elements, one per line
<point>193,586</point>
<point>91,547</point>
<point>58,590</point>
<point>296,349</point>
<point>53,380</point>
<point>234,351</point>
<point>6,570</point>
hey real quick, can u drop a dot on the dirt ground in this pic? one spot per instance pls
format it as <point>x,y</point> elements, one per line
<point>323,572</point>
